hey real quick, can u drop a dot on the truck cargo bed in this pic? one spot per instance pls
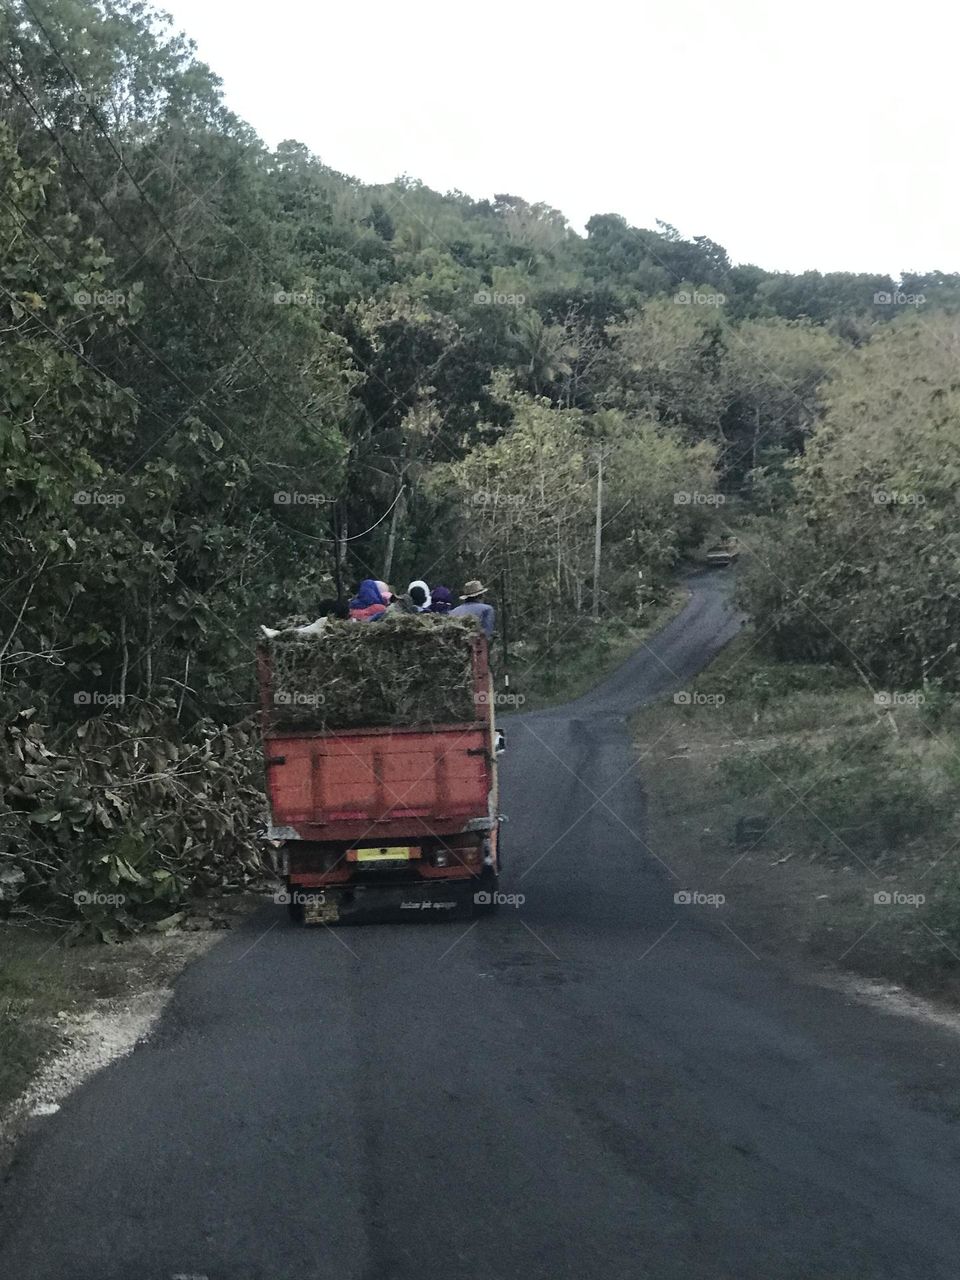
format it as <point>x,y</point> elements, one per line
<point>371,782</point>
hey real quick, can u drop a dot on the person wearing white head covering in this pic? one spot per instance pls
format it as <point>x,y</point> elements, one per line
<point>419,593</point>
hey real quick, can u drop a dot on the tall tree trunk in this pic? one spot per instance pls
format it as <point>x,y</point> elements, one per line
<point>148,655</point>
<point>395,517</point>
<point>126,659</point>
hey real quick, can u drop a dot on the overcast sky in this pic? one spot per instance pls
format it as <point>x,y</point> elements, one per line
<point>814,135</point>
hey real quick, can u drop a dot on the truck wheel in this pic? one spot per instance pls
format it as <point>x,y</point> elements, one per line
<point>486,893</point>
<point>294,909</point>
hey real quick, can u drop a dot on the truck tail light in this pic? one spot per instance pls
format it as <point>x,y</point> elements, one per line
<point>456,855</point>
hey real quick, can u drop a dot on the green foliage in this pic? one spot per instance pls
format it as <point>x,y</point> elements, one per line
<point>862,799</point>
<point>527,503</point>
<point>774,374</point>
<point>234,380</point>
<point>863,569</point>
<point>121,819</point>
<point>814,296</point>
<point>671,357</point>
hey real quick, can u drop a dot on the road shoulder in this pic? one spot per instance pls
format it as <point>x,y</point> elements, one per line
<point>761,804</point>
<point>66,1011</point>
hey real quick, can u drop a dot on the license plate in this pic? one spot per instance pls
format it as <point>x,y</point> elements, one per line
<point>321,913</point>
<point>389,853</point>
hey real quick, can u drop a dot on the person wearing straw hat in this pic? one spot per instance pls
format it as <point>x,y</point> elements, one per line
<point>474,606</point>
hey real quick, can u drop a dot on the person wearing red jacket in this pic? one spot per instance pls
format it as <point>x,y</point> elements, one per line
<point>369,602</point>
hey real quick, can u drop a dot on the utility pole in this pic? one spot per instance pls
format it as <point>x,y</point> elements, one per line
<point>504,621</point>
<point>337,562</point>
<point>598,527</point>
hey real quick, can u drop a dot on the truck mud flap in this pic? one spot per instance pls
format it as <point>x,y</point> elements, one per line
<point>394,903</point>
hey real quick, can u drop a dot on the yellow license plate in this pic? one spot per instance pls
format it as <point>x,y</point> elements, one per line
<point>390,853</point>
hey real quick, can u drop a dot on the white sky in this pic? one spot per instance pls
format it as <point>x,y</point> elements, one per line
<point>811,135</point>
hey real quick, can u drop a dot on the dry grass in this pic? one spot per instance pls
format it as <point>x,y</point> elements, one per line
<point>401,670</point>
<point>802,803</point>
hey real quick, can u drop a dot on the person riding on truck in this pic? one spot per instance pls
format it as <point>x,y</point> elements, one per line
<point>441,600</point>
<point>369,602</point>
<point>419,593</point>
<point>327,609</point>
<point>474,606</point>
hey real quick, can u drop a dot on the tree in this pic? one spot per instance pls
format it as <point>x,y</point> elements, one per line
<point>527,502</point>
<point>864,570</point>
<point>773,371</point>
<point>542,353</point>
<point>670,366</point>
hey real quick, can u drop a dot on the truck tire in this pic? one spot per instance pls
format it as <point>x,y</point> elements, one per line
<point>485,896</point>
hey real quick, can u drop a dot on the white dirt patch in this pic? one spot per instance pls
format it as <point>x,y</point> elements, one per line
<point>891,999</point>
<point>91,1040</point>
<point>108,1029</point>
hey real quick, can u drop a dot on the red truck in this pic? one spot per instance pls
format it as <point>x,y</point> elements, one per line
<point>385,824</point>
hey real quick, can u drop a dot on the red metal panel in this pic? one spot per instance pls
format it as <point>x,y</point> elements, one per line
<point>345,777</point>
<point>289,784</point>
<point>409,776</point>
<point>340,780</point>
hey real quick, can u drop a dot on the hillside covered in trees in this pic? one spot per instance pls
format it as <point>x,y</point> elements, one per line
<point>234,381</point>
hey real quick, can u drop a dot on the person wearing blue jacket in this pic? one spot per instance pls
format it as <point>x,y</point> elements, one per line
<point>369,602</point>
<point>474,606</point>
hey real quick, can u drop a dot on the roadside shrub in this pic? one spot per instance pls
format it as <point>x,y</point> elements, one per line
<point>862,570</point>
<point>939,704</point>
<point>115,823</point>
<point>849,793</point>
<point>943,917</point>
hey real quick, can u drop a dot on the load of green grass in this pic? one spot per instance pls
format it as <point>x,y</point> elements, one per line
<point>400,670</point>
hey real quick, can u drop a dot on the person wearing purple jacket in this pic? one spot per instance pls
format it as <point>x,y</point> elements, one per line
<point>441,600</point>
<point>474,606</point>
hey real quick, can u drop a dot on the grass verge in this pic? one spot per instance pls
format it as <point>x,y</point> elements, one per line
<point>823,812</point>
<point>37,981</point>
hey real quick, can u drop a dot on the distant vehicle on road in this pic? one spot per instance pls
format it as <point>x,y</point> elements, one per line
<point>724,553</point>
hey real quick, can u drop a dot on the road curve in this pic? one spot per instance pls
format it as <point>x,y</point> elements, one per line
<point>598,1083</point>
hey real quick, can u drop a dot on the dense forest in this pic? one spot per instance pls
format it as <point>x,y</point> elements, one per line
<point>235,380</point>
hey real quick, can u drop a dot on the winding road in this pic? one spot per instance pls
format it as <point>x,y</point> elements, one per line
<point>597,1083</point>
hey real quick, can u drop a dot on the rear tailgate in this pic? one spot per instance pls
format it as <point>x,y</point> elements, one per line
<point>376,782</point>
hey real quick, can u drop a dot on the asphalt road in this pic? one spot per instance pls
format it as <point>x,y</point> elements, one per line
<point>597,1083</point>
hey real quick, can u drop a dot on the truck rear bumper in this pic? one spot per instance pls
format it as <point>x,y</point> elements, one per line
<point>371,903</point>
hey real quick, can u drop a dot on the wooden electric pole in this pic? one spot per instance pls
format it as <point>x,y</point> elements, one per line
<point>504,624</point>
<point>597,536</point>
